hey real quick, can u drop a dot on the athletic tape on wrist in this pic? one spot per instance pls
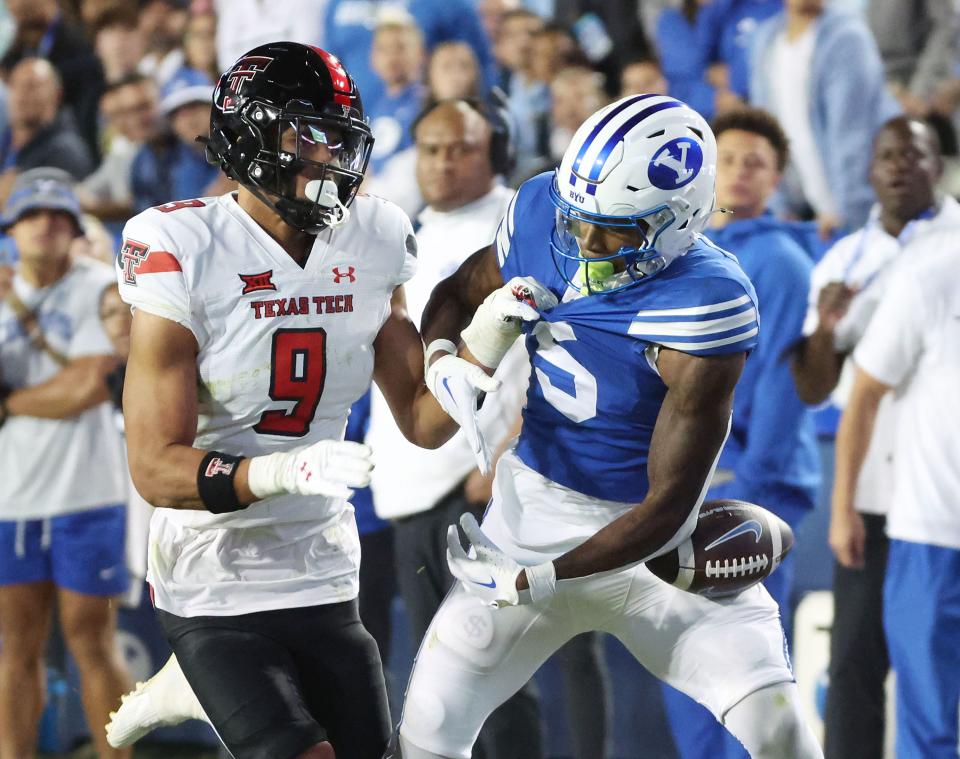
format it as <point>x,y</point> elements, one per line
<point>440,344</point>
<point>215,482</point>
<point>542,580</point>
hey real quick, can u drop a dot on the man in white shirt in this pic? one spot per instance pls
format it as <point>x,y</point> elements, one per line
<point>62,512</point>
<point>424,491</point>
<point>910,348</point>
<point>846,287</point>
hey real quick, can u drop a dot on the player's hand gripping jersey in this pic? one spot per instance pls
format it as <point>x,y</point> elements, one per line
<point>267,331</point>
<point>595,392</point>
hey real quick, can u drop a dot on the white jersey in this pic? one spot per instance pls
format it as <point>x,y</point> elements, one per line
<point>911,345</point>
<point>50,467</point>
<point>863,260</point>
<point>284,352</point>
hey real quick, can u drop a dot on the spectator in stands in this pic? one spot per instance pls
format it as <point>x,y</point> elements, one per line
<point>609,33</point>
<point>527,98</point>
<point>61,504</point>
<point>162,23</point>
<point>553,48</point>
<point>173,166</point>
<point>492,13</point>
<point>39,133</point>
<point>576,92</point>
<point>642,77</point>
<point>453,72</point>
<point>397,59</point>
<point>918,45</point>
<point>421,491</point>
<point>725,30</point>
<point>131,111</point>
<point>348,29</point>
<point>119,43</point>
<point>681,58</point>
<point>910,348</point>
<point>200,45</point>
<point>43,32</point>
<point>245,24</point>
<point>818,71</point>
<point>771,456</point>
<point>845,288</point>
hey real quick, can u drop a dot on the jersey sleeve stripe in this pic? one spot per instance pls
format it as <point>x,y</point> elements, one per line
<point>694,347</point>
<point>157,262</point>
<point>505,232</point>
<point>695,328</point>
<point>696,310</point>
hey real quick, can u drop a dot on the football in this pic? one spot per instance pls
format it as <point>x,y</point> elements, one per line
<point>735,545</point>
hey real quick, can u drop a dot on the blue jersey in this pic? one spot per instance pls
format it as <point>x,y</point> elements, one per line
<point>594,392</point>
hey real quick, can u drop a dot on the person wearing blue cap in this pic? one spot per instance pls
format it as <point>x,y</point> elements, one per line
<point>62,505</point>
<point>172,167</point>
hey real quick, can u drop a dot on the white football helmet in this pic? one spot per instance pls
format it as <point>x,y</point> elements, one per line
<point>646,162</point>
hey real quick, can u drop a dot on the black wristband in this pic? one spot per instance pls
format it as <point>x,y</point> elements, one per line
<point>215,482</point>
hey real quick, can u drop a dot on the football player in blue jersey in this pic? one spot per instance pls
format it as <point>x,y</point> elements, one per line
<point>629,403</point>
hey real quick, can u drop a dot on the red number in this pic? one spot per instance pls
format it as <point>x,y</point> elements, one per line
<point>298,371</point>
<point>178,204</point>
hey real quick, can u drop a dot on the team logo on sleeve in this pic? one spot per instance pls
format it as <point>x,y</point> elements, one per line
<point>132,254</point>
<point>255,282</point>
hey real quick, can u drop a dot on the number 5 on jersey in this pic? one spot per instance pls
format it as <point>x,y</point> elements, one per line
<point>582,404</point>
<point>298,370</point>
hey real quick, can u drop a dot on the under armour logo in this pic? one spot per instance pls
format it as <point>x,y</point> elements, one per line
<point>339,276</point>
<point>218,466</point>
<point>307,473</point>
<point>675,164</point>
<point>131,256</point>
<point>254,282</point>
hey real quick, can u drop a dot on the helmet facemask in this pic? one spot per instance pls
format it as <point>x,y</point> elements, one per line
<point>635,261</point>
<point>309,166</point>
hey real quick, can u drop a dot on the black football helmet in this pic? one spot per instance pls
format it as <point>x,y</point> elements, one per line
<point>272,103</point>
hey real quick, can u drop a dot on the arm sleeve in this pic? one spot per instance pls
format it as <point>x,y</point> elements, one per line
<point>893,342</point>
<point>715,318</point>
<point>150,272</point>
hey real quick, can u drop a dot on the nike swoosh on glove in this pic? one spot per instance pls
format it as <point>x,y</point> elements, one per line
<point>328,467</point>
<point>497,322</point>
<point>457,384</point>
<point>490,575</point>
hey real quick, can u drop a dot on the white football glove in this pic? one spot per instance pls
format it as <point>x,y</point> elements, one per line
<point>457,384</point>
<point>328,467</point>
<point>497,322</point>
<point>490,574</point>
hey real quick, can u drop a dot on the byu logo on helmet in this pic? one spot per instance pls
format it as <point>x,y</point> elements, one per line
<point>675,164</point>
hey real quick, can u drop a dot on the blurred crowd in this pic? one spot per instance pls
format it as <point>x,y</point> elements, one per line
<point>837,125</point>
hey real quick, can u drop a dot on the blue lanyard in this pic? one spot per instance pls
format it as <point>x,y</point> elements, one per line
<point>906,234</point>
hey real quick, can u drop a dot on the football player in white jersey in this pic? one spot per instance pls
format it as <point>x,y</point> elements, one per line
<point>259,318</point>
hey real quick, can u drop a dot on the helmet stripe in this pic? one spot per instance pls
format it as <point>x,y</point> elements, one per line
<point>338,75</point>
<point>617,136</point>
<point>600,125</point>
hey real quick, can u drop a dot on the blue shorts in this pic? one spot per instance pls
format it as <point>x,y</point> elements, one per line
<point>83,552</point>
